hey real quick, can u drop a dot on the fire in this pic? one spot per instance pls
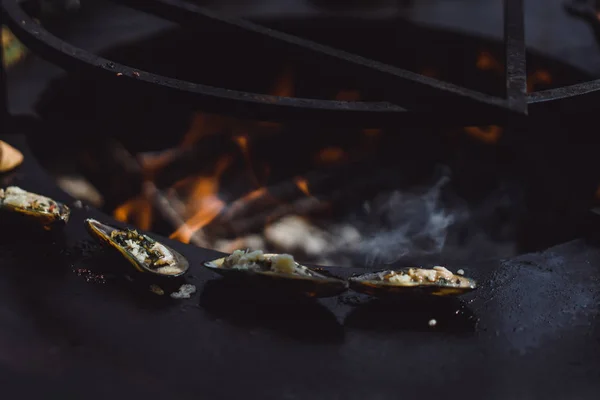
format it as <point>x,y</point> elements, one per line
<point>137,210</point>
<point>302,184</point>
<point>203,201</point>
<point>194,205</point>
<point>212,206</point>
<point>487,134</point>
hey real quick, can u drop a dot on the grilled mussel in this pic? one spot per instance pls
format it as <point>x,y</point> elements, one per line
<point>437,281</point>
<point>276,271</point>
<point>34,206</point>
<point>144,253</point>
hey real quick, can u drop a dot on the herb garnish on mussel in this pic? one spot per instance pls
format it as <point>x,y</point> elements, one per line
<point>437,281</point>
<point>43,209</point>
<point>278,271</point>
<point>144,253</point>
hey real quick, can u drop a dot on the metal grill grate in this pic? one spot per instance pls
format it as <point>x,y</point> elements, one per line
<point>410,98</point>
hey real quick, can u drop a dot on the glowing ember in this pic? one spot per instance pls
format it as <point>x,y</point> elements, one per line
<point>302,185</point>
<point>539,77</point>
<point>487,62</point>
<point>242,141</point>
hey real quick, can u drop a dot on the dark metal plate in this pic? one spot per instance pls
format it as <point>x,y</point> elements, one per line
<point>531,330</point>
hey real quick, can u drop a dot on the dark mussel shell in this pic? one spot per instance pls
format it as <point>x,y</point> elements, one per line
<point>376,284</point>
<point>310,283</point>
<point>102,233</point>
<point>33,206</point>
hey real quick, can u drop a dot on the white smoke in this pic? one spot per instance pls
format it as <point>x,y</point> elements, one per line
<point>414,223</point>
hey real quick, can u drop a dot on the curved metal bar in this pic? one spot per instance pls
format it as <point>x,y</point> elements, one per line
<point>571,98</point>
<point>406,88</point>
<point>48,46</point>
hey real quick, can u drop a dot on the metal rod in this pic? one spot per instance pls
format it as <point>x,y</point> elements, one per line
<point>516,69</point>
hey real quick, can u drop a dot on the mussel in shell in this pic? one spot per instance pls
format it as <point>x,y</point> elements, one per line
<point>277,271</point>
<point>43,209</point>
<point>144,253</point>
<point>437,281</point>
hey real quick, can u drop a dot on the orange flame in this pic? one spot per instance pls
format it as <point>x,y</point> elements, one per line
<point>203,200</point>
<point>487,134</point>
<point>212,206</point>
<point>137,211</point>
<point>302,184</point>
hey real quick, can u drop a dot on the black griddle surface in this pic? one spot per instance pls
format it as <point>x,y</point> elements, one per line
<point>531,331</point>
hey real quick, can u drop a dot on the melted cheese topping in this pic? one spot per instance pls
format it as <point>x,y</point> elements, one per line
<point>19,198</point>
<point>166,256</point>
<point>257,261</point>
<point>164,262</point>
<point>422,276</point>
<point>137,251</point>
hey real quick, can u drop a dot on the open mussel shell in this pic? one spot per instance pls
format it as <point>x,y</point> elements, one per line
<point>140,250</point>
<point>378,284</point>
<point>305,282</point>
<point>43,209</point>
